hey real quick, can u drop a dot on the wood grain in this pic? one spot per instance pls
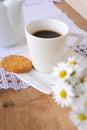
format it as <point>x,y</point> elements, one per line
<point>80,6</point>
<point>78,19</point>
<point>29,109</point>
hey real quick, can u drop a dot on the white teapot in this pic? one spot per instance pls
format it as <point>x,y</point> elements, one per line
<point>11,22</point>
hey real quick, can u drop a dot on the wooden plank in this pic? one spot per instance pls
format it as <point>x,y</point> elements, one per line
<point>72,14</point>
<point>30,109</point>
<point>80,6</point>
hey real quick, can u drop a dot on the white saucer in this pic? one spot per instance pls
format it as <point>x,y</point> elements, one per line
<point>38,80</point>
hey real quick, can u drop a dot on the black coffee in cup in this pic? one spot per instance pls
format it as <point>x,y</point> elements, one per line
<point>46,34</point>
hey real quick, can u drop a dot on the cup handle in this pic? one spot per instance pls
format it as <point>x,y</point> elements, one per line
<point>80,38</point>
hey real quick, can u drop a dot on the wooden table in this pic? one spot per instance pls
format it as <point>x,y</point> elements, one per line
<point>29,109</point>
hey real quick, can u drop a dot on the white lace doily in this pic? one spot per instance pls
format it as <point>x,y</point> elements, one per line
<point>34,9</point>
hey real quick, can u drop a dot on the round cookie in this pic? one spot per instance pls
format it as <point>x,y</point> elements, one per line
<point>16,64</point>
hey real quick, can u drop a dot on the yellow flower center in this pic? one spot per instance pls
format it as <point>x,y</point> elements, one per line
<point>81,117</point>
<point>73,73</point>
<point>83,78</point>
<point>63,94</point>
<point>72,62</point>
<point>62,73</point>
<point>86,103</point>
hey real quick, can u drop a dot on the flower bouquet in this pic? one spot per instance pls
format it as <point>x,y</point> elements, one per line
<point>70,89</point>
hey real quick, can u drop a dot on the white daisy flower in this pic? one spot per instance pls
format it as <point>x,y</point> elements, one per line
<point>76,71</point>
<point>82,128</point>
<point>83,78</point>
<point>62,71</point>
<point>78,118</point>
<point>75,60</point>
<point>72,60</point>
<point>75,75</point>
<point>79,104</point>
<point>81,89</point>
<point>76,104</point>
<point>83,102</point>
<point>85,88</point>
<point>63,94</point>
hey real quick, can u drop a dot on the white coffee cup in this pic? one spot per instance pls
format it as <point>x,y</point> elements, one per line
<point>47,52</point>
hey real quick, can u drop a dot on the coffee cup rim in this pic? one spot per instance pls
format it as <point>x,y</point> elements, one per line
<point>45,19</point>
